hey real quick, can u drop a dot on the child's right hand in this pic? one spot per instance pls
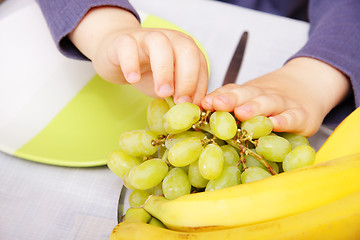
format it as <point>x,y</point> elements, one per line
<point>159,62</point>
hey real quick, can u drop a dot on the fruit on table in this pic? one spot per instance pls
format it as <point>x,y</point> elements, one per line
<point>339,219</point>
<point>196,160</point>
<point>320,200</point>
<point>275,197</point>
<point>180,135</point>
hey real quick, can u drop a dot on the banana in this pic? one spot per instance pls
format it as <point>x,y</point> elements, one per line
<point>337,220</point>
<point>276,197</point>
<point>343,141</point>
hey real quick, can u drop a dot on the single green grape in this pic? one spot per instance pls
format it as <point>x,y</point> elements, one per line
<point>156,222</point>
<point>126,183</point>
<point>148,174</point>
<point>230,176</point>
<point>195,177</point>
<point>138,143</point>
<point>211,162</point>
<point>253,162</point>
<point>172,139</point>
<point>155,112</point>
<point>231,155</point>
<point>137,198</point>
<point>157,190</point>
<point>223,125</point>
<point>121,163</point>
<point>136,215</point>
<point>273,148</point>
<point>181,117</point>
<point>253,174</point>
<point>294,139</point>
<point>257,126</point>
<point>185,152</point>
<point>301,156</point>
<point>176,184</point>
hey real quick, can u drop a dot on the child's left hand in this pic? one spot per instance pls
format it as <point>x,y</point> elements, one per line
<point>297,97</point>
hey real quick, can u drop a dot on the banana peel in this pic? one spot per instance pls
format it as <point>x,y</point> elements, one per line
<point>344,140</point>
<point>279,196</point>
<point>339,219</point>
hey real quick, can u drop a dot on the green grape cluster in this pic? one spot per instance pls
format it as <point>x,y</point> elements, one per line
<point>186,150</point>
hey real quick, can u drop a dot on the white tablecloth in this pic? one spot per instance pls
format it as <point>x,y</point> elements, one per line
<point>39,201</point>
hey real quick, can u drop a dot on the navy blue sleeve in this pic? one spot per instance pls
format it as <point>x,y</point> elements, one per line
<point>334,38</point>
<point>63,16</point>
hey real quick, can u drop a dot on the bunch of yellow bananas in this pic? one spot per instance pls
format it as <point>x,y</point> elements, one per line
<point>322,200</point>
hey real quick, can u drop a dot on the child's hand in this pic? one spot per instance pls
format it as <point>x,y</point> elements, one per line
<point>159,62</point>
<point>296,97</point>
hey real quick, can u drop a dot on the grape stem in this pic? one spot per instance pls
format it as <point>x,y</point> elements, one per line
<point>170,101</point>
<point>160,141</point>
<point>203,126</point>
<point>243,136</point>
<point>242,161</point>
<point>244,150</point>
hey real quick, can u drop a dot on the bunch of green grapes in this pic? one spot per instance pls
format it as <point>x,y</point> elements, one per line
<point>185,150</point>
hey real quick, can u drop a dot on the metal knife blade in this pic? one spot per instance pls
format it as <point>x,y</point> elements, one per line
<point>121,204</point>
<point>236,60</point>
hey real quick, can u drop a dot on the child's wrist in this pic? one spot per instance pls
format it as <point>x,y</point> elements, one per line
<point>100,23</point>
<point>329,84</point>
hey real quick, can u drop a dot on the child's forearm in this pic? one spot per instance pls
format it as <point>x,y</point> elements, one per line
<point>98,24</point>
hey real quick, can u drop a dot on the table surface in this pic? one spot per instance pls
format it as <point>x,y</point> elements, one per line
<point>39,201</point>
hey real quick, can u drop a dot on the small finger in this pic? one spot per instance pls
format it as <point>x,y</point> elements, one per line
<point>187,69</point>
<point>202,83</point>
<point>227,97</point>
<point>207,101</point>
<point>265,105</point>
<point>127,57</point>
<point>292,120</point>
<point>162,63</point>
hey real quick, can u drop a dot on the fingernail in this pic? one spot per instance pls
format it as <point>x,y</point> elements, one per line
<point>183,99</point>
<point>208,101</point>
<point>165,90</point>
<point>224,99</point>
<point>277,120</point>
<point>133,77</point>
<point>246,108</point>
